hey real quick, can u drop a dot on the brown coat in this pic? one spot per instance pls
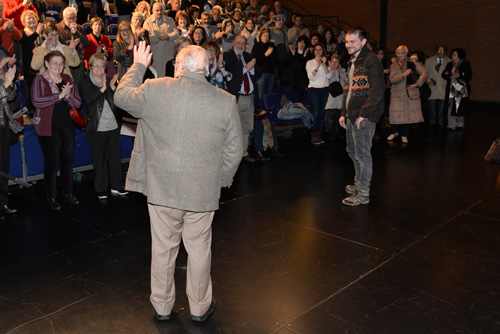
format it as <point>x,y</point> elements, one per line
<point>405,105</point>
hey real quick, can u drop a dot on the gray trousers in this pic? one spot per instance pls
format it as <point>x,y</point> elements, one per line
<point>359,144</point>
<point>246,111</point>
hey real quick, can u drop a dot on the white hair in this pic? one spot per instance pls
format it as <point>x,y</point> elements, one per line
<point>69,10</point>
<point>193,59</point>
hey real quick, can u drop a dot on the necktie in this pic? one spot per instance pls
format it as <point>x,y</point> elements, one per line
<point>438,66</point>
<point>246,83</point>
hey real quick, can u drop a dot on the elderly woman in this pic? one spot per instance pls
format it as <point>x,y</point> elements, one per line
<point>458,72</point>
<point>52,44</point>
<point>123,48</point>
<point>264,52</point>
<point>99,43</point>
<point>103,127</point>
<point>319,75</point>
<point>180,44</point>
<point>53,95</point>
<point>405,108</point>
<point>136,22</point>
<point>7,92</point>
<point>144,8</point>
<point>32,30</point>
<point>217,72</point>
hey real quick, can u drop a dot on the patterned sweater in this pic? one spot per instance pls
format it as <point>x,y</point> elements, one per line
<point>367,95</point>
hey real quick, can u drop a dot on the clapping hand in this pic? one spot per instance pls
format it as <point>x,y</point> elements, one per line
<point>9,76</point>
<point>4,61</point>
<point>65,91</point>
<point>113,81</point>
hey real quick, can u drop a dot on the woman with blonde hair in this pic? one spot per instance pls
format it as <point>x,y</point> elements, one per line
<point>123,48</point>
<point>144,8</point>
<point>406,77</point>
<point>31,33</point>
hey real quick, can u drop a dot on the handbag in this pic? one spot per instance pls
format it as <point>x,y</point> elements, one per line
<point>335,89</point>
<point>413,77</point>
<point>79,119</point>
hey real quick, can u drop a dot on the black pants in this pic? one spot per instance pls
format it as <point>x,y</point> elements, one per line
<point>105,152</point>
<point>58,150</point>
<point>4,162</point>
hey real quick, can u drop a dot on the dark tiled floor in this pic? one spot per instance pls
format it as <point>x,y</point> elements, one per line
<point>423,257</point>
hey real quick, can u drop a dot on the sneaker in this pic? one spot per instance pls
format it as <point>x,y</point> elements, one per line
<point>121,192</point>
<point>404,140</point>
<point>351,189</point>
<point>392,136</point>
<point>360,198</point>
<point>102,195</point>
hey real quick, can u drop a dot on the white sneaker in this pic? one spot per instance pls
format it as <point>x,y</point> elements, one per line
<point>121,192</point>
<point>404,140</point>
<point>392,136</point>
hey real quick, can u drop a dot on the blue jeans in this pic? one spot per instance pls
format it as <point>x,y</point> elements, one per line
<point>359,144</point>
<point>436,112</point>
<point>318,98</point>
<point>265,84</point>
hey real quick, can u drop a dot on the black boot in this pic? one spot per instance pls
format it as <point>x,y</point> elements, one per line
<point>276,153</point>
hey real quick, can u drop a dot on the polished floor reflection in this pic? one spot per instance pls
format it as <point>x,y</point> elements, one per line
<point>288,257</point>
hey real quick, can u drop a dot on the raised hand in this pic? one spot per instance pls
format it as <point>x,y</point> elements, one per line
<point>142,54</point>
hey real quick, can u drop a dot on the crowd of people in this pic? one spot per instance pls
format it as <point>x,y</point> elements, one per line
<point>252,50</point>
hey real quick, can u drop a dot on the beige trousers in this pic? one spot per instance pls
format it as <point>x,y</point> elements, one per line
<point>168,228</point>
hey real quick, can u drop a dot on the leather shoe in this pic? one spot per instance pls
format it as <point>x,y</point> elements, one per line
<point>8,211</point>
<point>248,158</point>
<point>53,204</point>
<point>261,157</point>
<point>277,154</point>
<point>70,198</point>
<point>205,316</point>
<point>163,317</point>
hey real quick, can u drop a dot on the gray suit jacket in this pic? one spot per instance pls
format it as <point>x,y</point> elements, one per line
<point>188,143</point>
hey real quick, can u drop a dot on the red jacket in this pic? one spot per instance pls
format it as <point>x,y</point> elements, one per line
<point>8,37</point>
<point>12,9</point>
<point>91,49</point>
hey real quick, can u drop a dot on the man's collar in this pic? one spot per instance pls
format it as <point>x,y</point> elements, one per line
<point>191,75</point>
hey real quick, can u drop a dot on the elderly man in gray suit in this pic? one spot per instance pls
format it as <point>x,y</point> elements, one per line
<point>188,145</point>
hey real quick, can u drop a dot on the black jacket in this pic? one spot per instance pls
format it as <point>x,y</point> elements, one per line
<point>93,102</point>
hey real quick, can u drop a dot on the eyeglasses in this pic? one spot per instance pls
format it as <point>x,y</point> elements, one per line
<point>125,30</point>
<point>98,66</point>
<point>211,49</point>
<point>198,33</point>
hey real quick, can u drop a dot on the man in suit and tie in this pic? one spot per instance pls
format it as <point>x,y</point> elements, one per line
<point>188,145</point>
<point>435,66</point>
<point>241,65</point>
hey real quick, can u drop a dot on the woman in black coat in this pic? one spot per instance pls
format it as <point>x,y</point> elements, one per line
<point>103,127</point>
<point>458,72</point>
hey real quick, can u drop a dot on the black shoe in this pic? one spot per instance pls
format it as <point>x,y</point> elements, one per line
<point>102,195</point>
<point>204,317</point>
<point>163,317</point>
<point>2,217</point>
<point>261,157</point>
<point>53,204</point>
<point>121,192</point>
<point>277,153</point>
<point>248,158</point>
<point>8,211</point>
<point>70,198</point>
